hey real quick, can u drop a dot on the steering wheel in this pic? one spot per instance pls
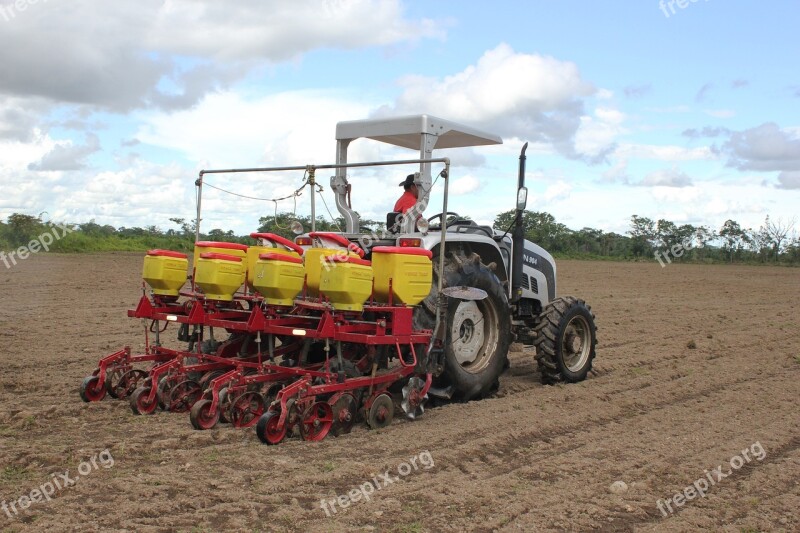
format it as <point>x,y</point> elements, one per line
<point>449,218</point>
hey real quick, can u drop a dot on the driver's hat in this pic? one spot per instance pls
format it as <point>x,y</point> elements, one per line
<point>408,182</point>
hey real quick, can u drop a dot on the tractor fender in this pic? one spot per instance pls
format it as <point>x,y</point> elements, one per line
<point>469,242</point>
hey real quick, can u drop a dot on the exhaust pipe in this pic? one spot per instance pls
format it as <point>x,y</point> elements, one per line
<point>518,236</point>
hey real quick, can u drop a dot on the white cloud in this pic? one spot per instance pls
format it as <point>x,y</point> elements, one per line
<point>604,94</point>
<point>223,131</point>
<point>682,196</point>
<point>226,130</point>
<point>462,157</point>
<point>120,55</point>
<point>15,156</point>
<point>789,180</point>
<point>530,96</point>
<point>708,203</point>
<point>466,185</point>
<point>597,135</point>
<point>610,115</point>
<point>720,113</point>
<point>618,172</point>
<point>19,118</point>
<point>143,194</point>
<point>278,30</point>
<point>500,81</point>
<point>67,155</point>
<point>665,153</point>
<point>720,207</point>
<point>670,109</point>
<point>285,129</point>
<point>557,191</point>
<point>766,147</point>
<point>672,177</point>
<point>24,191</point>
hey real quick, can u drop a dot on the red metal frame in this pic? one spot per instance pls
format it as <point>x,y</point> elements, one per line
<point>388,325</point>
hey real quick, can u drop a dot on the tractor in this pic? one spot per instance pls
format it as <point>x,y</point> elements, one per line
<point>517,276</point>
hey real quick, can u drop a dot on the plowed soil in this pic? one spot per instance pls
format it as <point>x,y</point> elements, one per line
<point>695,365</point>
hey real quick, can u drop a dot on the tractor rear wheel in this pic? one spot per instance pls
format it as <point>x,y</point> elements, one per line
<point>478,332</point>
<point>565,340</point>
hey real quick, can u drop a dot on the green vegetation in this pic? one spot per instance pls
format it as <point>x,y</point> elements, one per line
<point>21,230</point>
<point>412,527</point>
<point>774,242</point>
<point>213,455</point>
<point>14,473</point>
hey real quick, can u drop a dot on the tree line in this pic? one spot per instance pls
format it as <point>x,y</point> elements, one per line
<point>775,241</point>
<point>19,230</point>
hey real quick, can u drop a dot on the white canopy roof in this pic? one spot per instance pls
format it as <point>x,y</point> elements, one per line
<point>405,131</point>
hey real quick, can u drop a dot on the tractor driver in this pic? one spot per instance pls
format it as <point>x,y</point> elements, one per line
<point>409,197</point>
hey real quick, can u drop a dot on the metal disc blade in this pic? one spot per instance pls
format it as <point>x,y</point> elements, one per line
<point>413,412</point>
<point>465,293</point>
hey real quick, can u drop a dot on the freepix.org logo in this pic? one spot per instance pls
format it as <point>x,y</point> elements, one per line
<point>10,11</point>
<point>42,242</point>
<point>668,6</point>
<point>58,482</point>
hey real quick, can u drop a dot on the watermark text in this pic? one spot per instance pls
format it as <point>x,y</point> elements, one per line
<point>702,485</point>
<point>58,482</point>
<point>668,6</point>
<point>42,242</point>
<point>697,240</point>
<point>365,491</point>
<point>9,11</point>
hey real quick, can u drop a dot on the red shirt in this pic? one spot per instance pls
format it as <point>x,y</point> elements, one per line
<point>406,202</point>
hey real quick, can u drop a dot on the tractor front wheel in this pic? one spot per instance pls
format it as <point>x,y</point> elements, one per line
<point>566,336</point>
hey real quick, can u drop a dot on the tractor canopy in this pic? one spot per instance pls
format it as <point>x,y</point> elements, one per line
<point>416,132</point>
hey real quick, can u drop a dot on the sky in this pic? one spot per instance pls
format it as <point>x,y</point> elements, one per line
<point>686,110</point>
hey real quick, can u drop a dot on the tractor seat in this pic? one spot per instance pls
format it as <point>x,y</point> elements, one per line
<point>392,223</point>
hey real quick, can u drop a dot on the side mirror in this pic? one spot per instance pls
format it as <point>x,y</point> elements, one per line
<point>522,198</point>
<point>297,227</point>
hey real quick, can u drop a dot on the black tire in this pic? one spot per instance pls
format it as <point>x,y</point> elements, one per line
<point>478,332</point>
<point>267,430</point>
<point>199,415</point>
<point>565,342</point>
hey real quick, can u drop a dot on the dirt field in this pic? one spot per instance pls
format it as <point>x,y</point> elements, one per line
<point>695,365</point>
